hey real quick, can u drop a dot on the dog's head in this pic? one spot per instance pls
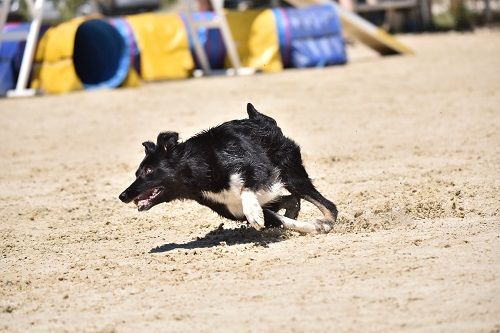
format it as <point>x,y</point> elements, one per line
<point>156,176</point>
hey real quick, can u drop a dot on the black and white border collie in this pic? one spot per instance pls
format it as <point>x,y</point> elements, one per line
<point>243,170</point>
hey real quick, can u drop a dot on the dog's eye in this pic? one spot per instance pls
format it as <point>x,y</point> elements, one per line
<point>148,171</point>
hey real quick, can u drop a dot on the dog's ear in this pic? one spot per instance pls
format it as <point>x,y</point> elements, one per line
<point>252,112</point>
<point>149,147</point>
<point>167,140</point>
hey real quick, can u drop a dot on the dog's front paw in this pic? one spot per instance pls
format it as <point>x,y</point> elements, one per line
<point>252,209</point>
<point>256,219</point>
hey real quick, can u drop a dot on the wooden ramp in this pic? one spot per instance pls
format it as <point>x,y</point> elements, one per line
<point>362,30</point>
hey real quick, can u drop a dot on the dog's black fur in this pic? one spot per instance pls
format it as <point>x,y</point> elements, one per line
<point>255,148</point>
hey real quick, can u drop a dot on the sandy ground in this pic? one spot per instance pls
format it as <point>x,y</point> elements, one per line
<point>408,148</point>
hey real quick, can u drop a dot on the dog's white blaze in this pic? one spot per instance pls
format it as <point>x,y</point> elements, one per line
<point>231,197</point>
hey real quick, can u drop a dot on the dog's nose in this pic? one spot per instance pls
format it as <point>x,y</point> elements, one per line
<point>123,197</point>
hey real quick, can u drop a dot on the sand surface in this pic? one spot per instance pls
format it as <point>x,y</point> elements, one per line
<point>408,148</point>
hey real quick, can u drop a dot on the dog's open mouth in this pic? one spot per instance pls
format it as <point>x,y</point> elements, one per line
<point>146,200</point>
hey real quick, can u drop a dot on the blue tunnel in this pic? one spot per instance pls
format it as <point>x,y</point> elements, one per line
<point>310,37</point>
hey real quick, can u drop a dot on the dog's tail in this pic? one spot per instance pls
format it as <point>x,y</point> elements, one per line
<point>256,115</point>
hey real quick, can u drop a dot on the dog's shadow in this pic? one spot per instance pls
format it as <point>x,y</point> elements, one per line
<point>221,236</point>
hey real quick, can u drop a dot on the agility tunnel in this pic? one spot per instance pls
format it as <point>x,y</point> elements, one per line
<point>92,53</point>
<point>271,40</point>
<point>310,37</point>
<point>164,47</point>
<point>255,35</point>
<point>53,69</point>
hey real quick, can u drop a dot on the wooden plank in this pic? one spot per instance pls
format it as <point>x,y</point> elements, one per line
<point>386,5</point>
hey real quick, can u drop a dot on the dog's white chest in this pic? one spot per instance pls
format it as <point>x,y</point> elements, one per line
<point>231,197</point>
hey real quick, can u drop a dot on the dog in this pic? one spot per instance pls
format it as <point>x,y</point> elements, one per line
<point>242,169</point>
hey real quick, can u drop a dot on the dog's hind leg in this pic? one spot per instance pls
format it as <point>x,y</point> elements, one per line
<point>301,186</point>
<point>315,227</point>
<point>326,207</point>
<point>290,203</point>
<point>292,206</point>
<point>289,221</point>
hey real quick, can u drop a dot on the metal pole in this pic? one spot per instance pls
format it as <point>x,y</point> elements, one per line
<point>29,51</point>
<point>3,17</point>
<point>226,34</point>
<point>198,47</point>
<point>487,11</point>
